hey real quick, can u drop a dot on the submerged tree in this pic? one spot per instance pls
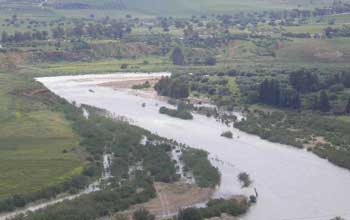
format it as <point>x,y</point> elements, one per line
<point>244,178</point>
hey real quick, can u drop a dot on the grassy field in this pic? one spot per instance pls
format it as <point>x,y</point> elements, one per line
<point>316,51</point>
<point>186,7</point>
<point>113,65</point>
<point>32,141</point>
<point>146,8</point>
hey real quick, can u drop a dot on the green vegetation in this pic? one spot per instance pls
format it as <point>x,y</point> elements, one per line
<point>227,134</point>
<point>127,188</point>
<point>38,147</point>
<point>215,208</point>
<point>98,204</point>
<point>288,69</point>
<point>244,178</point>
<point>326,136</point>
<point>196,161</point>
<point>177,113</point>
<point>144,85</point>
<point>175,88</point>
<point>142,214</point>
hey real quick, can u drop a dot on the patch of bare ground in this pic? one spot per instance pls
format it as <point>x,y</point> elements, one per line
<point>171,197</point>
<point>130,82</point>
<point>35,92</point>
<point>315,142</point>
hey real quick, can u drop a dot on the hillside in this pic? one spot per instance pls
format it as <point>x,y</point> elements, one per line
<point>153,7</point>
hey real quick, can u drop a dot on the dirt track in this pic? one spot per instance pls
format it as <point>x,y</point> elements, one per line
<point>172,197</point>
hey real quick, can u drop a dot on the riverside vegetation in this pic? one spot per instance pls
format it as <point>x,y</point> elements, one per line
<point>124,141</point>
<point>287,69</point>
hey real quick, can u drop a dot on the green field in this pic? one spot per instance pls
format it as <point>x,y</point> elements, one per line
<point>185,7</point>
<point>32,141</point>
<point>145,8</point>
<point>112,65</point>
<point>316,51</point>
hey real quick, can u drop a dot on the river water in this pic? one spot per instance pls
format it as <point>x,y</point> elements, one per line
<point>292,184</point>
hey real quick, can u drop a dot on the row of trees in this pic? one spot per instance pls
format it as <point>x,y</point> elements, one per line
<point>343,31</point>
<point>272,93</point>
<point>113,30</point>
<point>310,89</point>
<point>215,208</point>
<point>18,37</point>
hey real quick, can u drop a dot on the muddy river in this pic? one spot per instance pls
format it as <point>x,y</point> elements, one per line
<point>292,184</point>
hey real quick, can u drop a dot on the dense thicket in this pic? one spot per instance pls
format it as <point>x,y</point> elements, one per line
<point>173,87</point>
<point>204,173</point>
<point>215,208</point>
<point>99,204</point>
<point>270,92</point>
<point>303,130</point>
<point>177,113</point>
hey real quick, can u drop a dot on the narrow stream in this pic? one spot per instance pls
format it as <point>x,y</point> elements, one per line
<point>292,184</point>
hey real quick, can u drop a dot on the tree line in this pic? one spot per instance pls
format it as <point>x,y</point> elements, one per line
<point>308,89</point>
<point>215,208</point>
<point>18,37</point>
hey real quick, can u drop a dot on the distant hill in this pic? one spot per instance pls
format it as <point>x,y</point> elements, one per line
<point>151,7</point>
<point>187,7</point>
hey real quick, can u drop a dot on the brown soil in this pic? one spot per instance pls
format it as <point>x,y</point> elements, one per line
<point>315,142</point>
<point>35,92</point>
<point>129,83</point>
<point>172,197</point>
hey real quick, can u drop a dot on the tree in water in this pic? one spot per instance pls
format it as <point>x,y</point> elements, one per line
<point>244,178</point>
<point>178,57</point>
<point>338,218</point>
<point>324,102</point>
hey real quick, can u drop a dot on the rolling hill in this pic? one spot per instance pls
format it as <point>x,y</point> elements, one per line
<point>164,7</point>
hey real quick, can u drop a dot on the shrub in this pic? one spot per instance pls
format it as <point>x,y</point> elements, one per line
<point>227,134</point>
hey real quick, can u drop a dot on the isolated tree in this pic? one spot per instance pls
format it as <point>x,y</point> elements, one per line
<point>324,102</point>
<point>244,178</point>
<point>211,61</point>
<point>178,57</point>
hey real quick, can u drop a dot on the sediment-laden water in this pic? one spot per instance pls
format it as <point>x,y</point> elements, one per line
<point>292,184</point>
